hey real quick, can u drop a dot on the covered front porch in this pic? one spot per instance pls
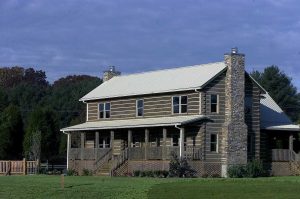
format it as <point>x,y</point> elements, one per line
<point>116,143</point>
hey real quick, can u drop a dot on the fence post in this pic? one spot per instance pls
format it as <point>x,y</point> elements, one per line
<point>24,166</point>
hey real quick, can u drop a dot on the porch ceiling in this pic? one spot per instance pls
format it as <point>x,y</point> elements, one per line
<point>136,123</point>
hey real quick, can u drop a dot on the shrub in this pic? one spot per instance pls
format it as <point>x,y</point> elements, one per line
<point>215,175</point>
<point>180,167</point>
<point>149,173</point>
<point>136,173</point>
<point>142,173</point>
<point>255,169</point>
<point>72,172</point>
<point>205,175</point>
<point>165,174</point>
<point>252,169</point>
<point>86,172</point>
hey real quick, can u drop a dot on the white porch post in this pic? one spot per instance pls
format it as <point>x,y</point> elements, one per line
<point>129,138</point>
<point>181,143</point>
<point>291,147</point>
<point>68,148</point>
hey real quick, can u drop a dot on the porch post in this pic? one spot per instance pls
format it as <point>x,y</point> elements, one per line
<point>82,138</point>
<point>146,143</point>
<point>164,152</point>
<point>96,144</point>
<point>181,143</point>
<point>291,147</point>
<point>129,138</point>
<point>68,148</point>
<point>112,138</point>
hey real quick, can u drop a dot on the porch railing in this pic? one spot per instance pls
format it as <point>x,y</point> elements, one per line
<point>118,161</point>
<point>103,159</point>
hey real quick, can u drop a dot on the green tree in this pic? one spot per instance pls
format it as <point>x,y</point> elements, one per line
<point>43,121</point>
<point>11,133</point>
<point>281,89</point>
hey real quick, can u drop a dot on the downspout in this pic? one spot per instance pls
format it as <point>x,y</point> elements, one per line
<point>181,140</point>
<point>68,144</point>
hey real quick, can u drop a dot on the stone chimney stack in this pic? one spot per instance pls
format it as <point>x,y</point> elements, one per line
<point>107,75</point>
<point>234,133</point>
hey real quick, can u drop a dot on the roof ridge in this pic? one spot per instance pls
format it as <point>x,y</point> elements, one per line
<point>166,69</point>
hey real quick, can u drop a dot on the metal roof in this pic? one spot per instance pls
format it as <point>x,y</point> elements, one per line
<point>135,123</point>
<point>273,117</point>
<point>160,81</point>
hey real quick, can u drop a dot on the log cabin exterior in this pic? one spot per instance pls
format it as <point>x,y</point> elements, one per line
<point>215,115</point>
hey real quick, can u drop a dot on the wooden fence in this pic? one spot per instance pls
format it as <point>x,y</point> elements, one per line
<point>18,167</point>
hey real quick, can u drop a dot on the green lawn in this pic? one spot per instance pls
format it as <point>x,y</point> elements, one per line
<point>106,187</point>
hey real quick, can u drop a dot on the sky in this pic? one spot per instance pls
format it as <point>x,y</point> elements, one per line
<point>66,37</point>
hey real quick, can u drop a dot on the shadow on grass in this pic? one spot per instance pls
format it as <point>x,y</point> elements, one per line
<point>78,185</point>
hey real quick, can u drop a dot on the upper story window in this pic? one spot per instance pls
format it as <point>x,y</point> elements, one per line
<point>214,103</point>
<point>104,110</point>
<point>179,104</point>
<point>140,107</point>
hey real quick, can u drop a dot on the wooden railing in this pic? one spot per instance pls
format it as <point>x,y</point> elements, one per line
<point>193,153</point>
<point>280,155</point>
<point>119,160</point>
<point>18,167</point>
<point>103,159</point>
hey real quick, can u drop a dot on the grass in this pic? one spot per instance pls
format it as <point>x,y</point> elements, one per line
<point>106,187</point>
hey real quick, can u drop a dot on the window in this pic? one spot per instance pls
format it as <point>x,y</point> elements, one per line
<point>213,142</point>
<point>104,110</point>
<point>89,140</point>
<point>140,108</point>
<point>104,142</point>
<point>214,100</point>
<point>179,104</point>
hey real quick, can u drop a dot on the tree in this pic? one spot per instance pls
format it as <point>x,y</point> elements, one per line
<point>11,133</point>
<point>281,89</point>
<point>41,121</point>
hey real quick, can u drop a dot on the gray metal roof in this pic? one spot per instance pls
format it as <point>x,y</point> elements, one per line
<point>273,117</point>
<point>160,81</point>
<point>135,123</point>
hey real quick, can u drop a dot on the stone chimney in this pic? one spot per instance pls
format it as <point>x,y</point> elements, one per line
<point>107,75</point>
<point>234,133</point>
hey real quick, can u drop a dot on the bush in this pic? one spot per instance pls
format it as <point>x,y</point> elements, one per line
<point>86,172</point>
<point>136,173</point>
<point>143,174</point>
<point>149,173</point>
<point>180,168</point>
<point>72,172</point>
<point>255,169</point>
<point>252,169</point>
<point>165,174</point>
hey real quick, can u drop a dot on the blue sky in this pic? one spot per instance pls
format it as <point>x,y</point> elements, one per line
<point>65,37</point>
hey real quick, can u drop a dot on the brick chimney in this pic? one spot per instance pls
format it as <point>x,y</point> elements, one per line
<point>107,75</point>
<point>234,133</point>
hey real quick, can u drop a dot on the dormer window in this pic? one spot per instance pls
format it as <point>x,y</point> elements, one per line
<point>139,107</point>
<point>179,104</point>
<point>104,110</point>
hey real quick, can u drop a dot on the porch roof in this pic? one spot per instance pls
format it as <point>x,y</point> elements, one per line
<point>135,123</point>
<point>273,117</point>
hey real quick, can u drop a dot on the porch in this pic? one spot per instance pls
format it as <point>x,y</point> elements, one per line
<point>140,144</point>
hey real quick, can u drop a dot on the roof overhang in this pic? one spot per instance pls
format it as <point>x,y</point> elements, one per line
<point>289,127</point>
<point>136,123</point>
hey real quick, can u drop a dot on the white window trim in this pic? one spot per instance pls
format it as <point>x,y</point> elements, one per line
<point>218,103</point>
<point>87,111</point>
<point>104,110</point>
<point>200,103</point>
<point>180,104</point>
<point>136,108</point>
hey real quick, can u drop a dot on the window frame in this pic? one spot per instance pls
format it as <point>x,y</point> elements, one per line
<point>105,110</point>
<point>217,104</point>
<point>137,108</point>
<point>180,104</point>
<point>216,143</point>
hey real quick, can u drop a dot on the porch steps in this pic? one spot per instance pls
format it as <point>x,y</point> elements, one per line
<point>105,169</point>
